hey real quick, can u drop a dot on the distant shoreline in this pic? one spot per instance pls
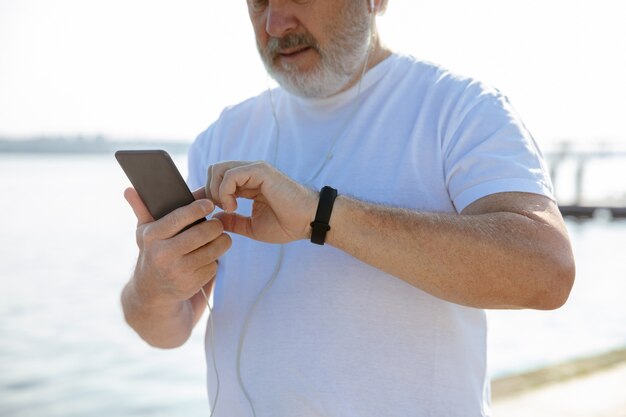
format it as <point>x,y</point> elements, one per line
<point>100,145</point>
<point>84,145</point>
<point>511,385</point>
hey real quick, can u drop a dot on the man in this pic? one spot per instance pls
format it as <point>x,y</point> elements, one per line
<point>444,209</point>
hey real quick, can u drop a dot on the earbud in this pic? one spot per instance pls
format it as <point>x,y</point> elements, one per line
<point>372,6</point>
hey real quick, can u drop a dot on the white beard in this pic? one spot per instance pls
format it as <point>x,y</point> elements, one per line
<point>340,62</point>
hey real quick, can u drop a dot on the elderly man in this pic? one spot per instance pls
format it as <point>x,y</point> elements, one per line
<point>376,205</point>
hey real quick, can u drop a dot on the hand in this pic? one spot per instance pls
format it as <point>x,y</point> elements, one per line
<point>282,209</point>
<point>173,267</point>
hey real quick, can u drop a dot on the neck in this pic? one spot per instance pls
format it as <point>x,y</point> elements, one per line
<point>379,52</point>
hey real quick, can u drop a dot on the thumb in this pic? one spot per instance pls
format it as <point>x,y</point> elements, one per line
<point>139,208</point>
<point>235,223</point>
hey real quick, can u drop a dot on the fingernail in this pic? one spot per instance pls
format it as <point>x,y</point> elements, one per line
<point>207,206</point>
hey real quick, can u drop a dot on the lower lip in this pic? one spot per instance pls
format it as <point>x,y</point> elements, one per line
<point>294,56</point>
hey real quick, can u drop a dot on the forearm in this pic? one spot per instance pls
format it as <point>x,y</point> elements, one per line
<point>506,250</point>
<point>160,325</point>
<point>492,260</point>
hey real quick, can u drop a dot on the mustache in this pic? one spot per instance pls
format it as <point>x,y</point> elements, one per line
<point>293,40</point>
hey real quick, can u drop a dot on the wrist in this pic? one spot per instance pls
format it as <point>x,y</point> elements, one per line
<point>310,210</point>
<point>161,325</point>
<point>145,297</point>
<point>338,218</point>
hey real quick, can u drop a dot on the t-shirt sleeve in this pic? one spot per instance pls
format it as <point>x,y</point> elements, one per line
<point>489,150</point>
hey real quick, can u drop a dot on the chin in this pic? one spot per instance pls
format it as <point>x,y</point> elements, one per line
<point>310,84</point>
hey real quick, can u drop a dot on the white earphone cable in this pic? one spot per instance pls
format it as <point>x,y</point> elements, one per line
<point>217,375</point>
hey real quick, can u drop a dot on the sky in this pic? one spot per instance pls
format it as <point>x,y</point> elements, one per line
<point>155,69</point>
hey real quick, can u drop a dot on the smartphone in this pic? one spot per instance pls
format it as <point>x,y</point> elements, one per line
<point>157,181</point>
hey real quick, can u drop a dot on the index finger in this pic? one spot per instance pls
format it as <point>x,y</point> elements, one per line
<point>215,175</point>
<point>139,208</point>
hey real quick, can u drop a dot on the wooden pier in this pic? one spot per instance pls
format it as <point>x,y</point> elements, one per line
<point>577,208</point>
<point>589,212</point>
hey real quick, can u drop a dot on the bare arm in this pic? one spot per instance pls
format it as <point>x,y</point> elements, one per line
<point>162,301</point>
<point>507,250</point>
<point>164,326</point>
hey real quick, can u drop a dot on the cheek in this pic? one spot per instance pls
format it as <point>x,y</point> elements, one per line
<point>260,35</point>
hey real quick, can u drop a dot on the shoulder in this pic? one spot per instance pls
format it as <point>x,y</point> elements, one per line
<point>243,110</point>
<point>234,115</point>
<point>214,143</point>
<point>439,84</point>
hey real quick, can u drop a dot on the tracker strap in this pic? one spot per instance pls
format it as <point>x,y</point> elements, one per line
<point>320,226</point>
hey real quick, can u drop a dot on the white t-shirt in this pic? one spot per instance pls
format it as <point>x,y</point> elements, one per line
<point>334,336</point>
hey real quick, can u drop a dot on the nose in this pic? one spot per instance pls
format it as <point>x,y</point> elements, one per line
<point>280,19</point>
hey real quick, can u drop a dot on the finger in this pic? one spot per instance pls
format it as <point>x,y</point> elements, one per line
<point>199,194</point>
<point>139,208</point>
<point>212,182</point>
<point>207,185</point>
<point>171,224</point>
<point>236,223</point>
<point>241,178</point>
<point>197,236</point>
<point>217,175</point>
<point>207,254</point>
<point>204,275</point>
